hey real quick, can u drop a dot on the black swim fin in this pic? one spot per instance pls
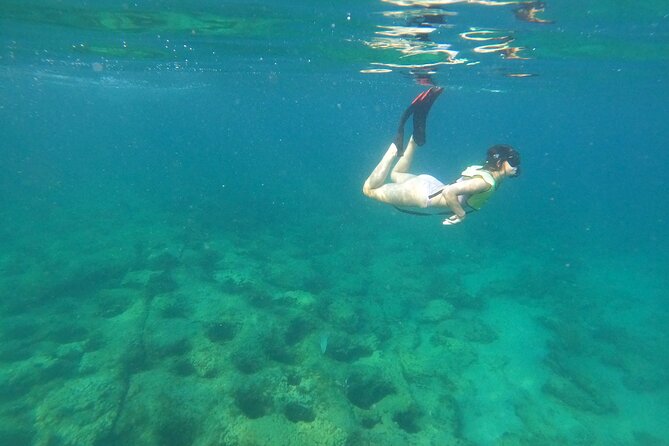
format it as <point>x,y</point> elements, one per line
<point>420,114</point>
<point>399,138</point>
<point>420,108</point>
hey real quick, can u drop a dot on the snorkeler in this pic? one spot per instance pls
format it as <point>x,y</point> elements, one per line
<point>424,193</point>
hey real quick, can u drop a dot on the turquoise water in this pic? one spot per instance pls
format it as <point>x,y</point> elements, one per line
<point>187,258</point>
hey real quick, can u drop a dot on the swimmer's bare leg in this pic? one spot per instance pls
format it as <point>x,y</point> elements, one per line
<point>400,172</point>
<point>380,172</point>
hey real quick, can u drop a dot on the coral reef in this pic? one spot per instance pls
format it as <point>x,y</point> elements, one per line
<point>204,341</point>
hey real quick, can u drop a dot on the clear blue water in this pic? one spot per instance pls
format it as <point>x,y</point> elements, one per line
<point>182,227</point>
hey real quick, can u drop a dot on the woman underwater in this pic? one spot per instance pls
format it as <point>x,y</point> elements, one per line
<point>424,192</point>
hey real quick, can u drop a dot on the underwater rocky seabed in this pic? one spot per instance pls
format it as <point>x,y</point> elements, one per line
<point>144,330</point>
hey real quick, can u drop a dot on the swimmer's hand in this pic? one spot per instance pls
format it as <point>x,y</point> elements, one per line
<point>453,191</point>
<point>452,220</point>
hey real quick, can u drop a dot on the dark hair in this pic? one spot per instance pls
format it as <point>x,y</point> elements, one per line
<point>499,153</point>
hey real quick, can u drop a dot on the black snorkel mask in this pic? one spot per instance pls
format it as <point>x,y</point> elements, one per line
<point>499,153</point>
<point>514,161</point>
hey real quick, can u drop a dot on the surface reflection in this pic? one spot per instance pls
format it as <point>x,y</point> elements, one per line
<point>422,36</point>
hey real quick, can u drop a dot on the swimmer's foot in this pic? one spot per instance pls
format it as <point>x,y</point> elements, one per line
<point>420,107</point>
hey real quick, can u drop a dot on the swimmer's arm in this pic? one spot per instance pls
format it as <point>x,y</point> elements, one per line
<point>454,190</point>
